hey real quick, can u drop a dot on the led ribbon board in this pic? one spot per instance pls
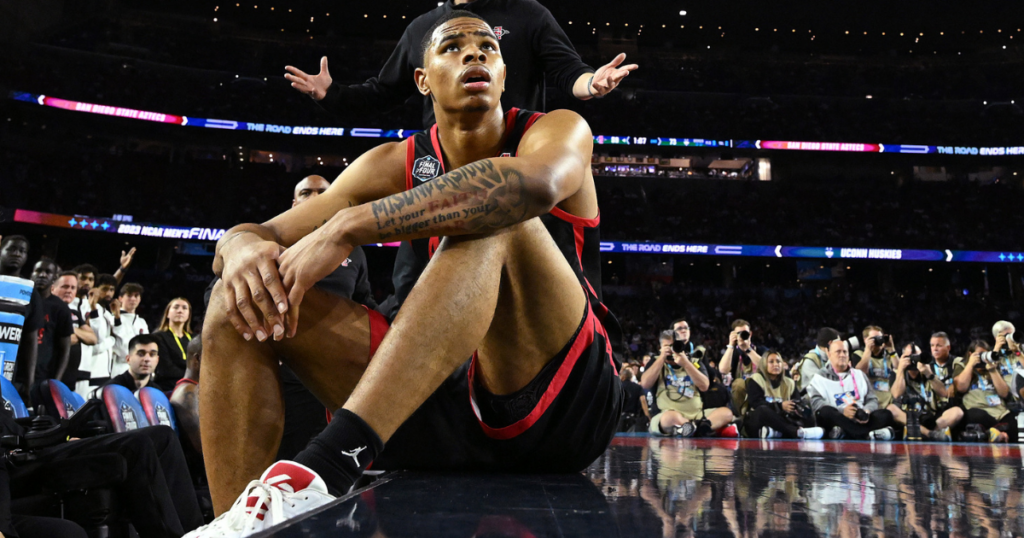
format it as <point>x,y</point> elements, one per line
<point>838,253</point>
<point>359,132</point>
<point>97,224</point>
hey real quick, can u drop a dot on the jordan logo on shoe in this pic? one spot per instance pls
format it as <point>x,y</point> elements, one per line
<point>354,453</point>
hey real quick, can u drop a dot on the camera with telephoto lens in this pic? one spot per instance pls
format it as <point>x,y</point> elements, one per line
<point>913,404</point>
<point>744,335</point>
<point>862,415</point>
<point>681,346</point>
<point>880,340</point>
<point>990,357</point>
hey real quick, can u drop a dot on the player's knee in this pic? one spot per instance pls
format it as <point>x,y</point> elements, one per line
<point>217,313</point>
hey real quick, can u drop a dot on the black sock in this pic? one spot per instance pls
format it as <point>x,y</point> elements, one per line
<point>342,451</point>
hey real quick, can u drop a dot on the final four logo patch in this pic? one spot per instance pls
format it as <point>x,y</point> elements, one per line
<point>425,168</point>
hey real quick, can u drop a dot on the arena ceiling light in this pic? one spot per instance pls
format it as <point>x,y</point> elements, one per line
<point>682,13</point>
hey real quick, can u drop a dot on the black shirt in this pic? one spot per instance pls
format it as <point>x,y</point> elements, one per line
<point>57,324</point>
<point>532,44</point>
<point>127,381</point>
<point>171,367</point>
<point>30,329</point>
<point>350,280</point>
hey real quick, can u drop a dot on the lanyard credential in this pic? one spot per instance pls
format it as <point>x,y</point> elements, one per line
<point>842,384</point>
<point>177,341</point>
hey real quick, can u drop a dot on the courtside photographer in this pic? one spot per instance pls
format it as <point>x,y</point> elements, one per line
<point>676,379</point>
<point>775,407</point>
<point>844,403</point>
<point>920,398</point>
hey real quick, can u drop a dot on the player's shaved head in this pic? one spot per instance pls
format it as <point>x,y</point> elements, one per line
<point>310,187</point>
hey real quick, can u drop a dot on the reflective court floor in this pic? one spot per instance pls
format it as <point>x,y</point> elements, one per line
<point>704,487</point>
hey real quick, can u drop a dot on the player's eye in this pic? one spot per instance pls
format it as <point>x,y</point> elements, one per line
<point>452,47</point>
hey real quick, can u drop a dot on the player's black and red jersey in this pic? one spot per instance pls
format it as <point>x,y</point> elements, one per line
<point>578,238</point>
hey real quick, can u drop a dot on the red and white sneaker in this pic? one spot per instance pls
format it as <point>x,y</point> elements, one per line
<point>285,490</point>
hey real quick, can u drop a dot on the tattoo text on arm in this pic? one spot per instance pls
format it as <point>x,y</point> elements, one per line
<point>476,198</point>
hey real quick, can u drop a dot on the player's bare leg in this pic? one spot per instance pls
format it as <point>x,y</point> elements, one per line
<point>243,411</point>
<point>511,295</point>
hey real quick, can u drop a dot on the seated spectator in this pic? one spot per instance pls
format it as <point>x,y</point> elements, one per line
<point>843,401</point>
<point>173,336</point>
<point>881,362</point>
<point>772,401</point>
<point>741,352</point>
<point>127,324</point>
<point>814,360</point>
<point>984,390</point>
<point>143,358</point>
<point>676,381</point>
<point>916,386</point>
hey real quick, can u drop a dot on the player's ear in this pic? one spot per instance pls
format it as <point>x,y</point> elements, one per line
<point>420,77</point>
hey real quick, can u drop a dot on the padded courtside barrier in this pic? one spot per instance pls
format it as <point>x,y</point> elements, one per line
<point>124,410</point>
<point>15,294</point>
<point>12,400</point>
<point>157,407</point>
<point>65,401</point>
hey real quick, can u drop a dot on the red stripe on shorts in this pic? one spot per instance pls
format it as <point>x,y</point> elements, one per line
<point>583,340</point>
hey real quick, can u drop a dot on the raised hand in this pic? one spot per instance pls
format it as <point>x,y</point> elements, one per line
<point>608,76</point>
<point>314,86</point>
<point>126,258</point>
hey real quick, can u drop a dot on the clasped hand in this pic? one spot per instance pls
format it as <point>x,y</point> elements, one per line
<point>265,283</point>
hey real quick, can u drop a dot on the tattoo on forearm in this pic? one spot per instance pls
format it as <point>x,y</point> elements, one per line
<point>475,198</point>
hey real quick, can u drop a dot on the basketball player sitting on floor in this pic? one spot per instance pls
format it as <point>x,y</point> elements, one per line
<point>498,360</point>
